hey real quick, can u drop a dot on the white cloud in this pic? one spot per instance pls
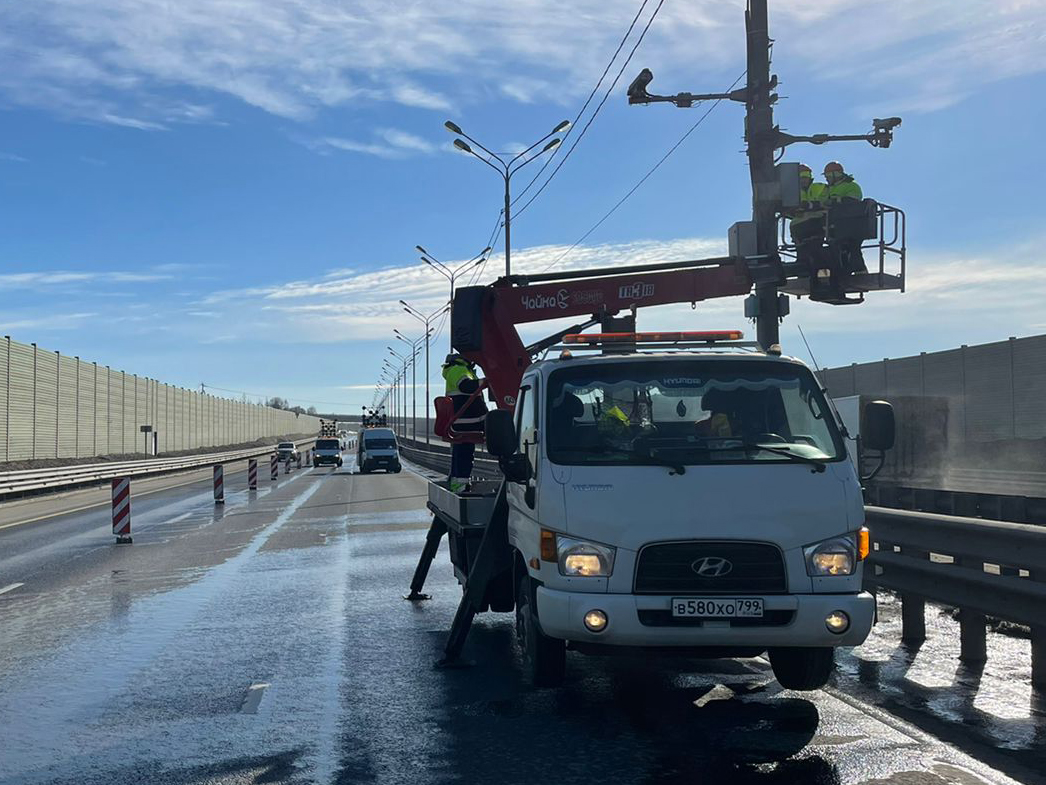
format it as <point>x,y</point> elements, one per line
<point>13,157</point>
<point>387,143</point>
<point>119,61</point>
<point>44,279</point>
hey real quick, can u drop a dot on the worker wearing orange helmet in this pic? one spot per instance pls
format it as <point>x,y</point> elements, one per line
<point>840,184</point>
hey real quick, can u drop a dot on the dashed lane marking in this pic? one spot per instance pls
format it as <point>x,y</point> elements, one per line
<point>11,587</point>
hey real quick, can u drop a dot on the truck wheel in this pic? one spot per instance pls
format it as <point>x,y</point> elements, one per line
<point>803,668</point>
<point>544,658</point>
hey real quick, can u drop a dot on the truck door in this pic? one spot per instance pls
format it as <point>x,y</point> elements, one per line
<point>524,496</point>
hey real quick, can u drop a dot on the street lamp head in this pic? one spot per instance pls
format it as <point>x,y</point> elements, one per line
<point>462,146</point>
<point>422,250</point>
<point>561,127</point>
<point>550,145</point>
<point>486,250</point>
<point>454,128</point>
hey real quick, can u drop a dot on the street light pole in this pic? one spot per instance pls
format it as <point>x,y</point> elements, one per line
<point>402,397</point>
<point>414,376</point>
<point>446,272</point>
<point>506,169</point>
<point>427,321</point>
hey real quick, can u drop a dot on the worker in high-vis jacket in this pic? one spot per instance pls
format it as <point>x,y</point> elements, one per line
<point>843,198</point>
<point>462,382</point>
<point>807,225</point>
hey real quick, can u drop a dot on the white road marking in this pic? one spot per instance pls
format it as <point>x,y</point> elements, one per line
<point>10,587</point>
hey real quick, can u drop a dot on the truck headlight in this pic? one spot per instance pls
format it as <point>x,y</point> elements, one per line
<point>582,558</point>
<point>837,556</point>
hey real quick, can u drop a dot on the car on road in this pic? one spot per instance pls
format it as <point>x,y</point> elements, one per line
<point>327,452</point>
<point>286,451</point>
<point>378,450</point>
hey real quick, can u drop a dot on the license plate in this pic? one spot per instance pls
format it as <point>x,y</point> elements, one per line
<point>717,607</point>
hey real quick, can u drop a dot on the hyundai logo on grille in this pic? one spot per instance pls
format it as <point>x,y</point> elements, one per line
<point>711,567</point>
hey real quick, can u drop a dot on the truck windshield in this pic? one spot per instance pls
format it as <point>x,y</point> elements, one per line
<point>381,444</point>
<point>328,444</point>
<point>689,413</point>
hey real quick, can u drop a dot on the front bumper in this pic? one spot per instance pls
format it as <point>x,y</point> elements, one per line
<point>796,620</point>
<point>321,459</point>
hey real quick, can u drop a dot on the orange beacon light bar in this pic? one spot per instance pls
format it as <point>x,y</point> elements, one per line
<point>707,336</point>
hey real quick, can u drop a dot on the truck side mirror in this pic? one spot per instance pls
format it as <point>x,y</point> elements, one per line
<point>500,433</point>
<point>878,430</point>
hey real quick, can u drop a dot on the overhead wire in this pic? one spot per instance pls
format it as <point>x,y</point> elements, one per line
<point>588,100</point>
<point>645,177</point>
<point>581,135</point>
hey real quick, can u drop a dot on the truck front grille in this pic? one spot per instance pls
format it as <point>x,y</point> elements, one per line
<point>681,568</point>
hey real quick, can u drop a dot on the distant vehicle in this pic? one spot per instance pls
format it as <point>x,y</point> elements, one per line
<point>378,450</point>
<point>327,451</point>
<point>286,451</point>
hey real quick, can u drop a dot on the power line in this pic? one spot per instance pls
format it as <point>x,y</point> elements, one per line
<point>646,176</point>
<point>588,100</point>
<point>610,89</point>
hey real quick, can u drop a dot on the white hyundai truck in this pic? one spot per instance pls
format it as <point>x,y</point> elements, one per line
<point>697,501</point>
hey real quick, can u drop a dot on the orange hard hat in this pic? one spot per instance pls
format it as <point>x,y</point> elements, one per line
<point>805,171</point>
<point>834,166</point>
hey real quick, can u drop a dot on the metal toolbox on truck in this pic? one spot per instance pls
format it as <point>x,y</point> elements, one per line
<point>463,509</point>
<point>465,515</point>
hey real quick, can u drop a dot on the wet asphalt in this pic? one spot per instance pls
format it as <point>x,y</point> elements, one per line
<point>267,641</point>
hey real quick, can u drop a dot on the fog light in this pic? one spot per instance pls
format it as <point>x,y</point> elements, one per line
<point>595,621</point>
<point>837,622</point>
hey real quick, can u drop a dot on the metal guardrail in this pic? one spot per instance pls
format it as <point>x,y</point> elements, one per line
<point>983,568</point>
<point>28,481</point>
<point>437,458</point>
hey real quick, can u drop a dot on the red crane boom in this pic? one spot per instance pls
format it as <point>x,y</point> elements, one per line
<point>484,318</point>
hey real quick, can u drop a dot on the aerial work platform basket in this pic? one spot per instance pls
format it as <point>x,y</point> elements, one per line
<point>878,228</point>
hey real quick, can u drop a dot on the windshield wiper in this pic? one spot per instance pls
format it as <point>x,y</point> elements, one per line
<point>677,467</point>
<point>817,463</point>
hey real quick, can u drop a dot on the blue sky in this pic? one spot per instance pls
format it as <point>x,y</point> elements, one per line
<point>230,191</point>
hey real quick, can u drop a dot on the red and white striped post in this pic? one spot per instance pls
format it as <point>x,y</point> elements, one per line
<point>122,510</point>
<point>252,474</point>
<point>274,468</point>
<point>219,484</point>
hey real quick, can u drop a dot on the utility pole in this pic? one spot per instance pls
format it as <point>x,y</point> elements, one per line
<point>761,137</point>
<point>769,183</point>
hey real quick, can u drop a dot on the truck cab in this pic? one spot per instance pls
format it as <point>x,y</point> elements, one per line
<point>697,502</point>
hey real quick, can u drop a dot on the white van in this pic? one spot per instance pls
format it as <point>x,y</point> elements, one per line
<point>378,450</point>
<point>702,502</point>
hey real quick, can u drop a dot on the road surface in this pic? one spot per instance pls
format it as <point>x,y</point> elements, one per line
<point>268,641</point>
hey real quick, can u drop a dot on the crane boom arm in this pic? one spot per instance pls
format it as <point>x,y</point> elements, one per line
<point>484,318</point>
